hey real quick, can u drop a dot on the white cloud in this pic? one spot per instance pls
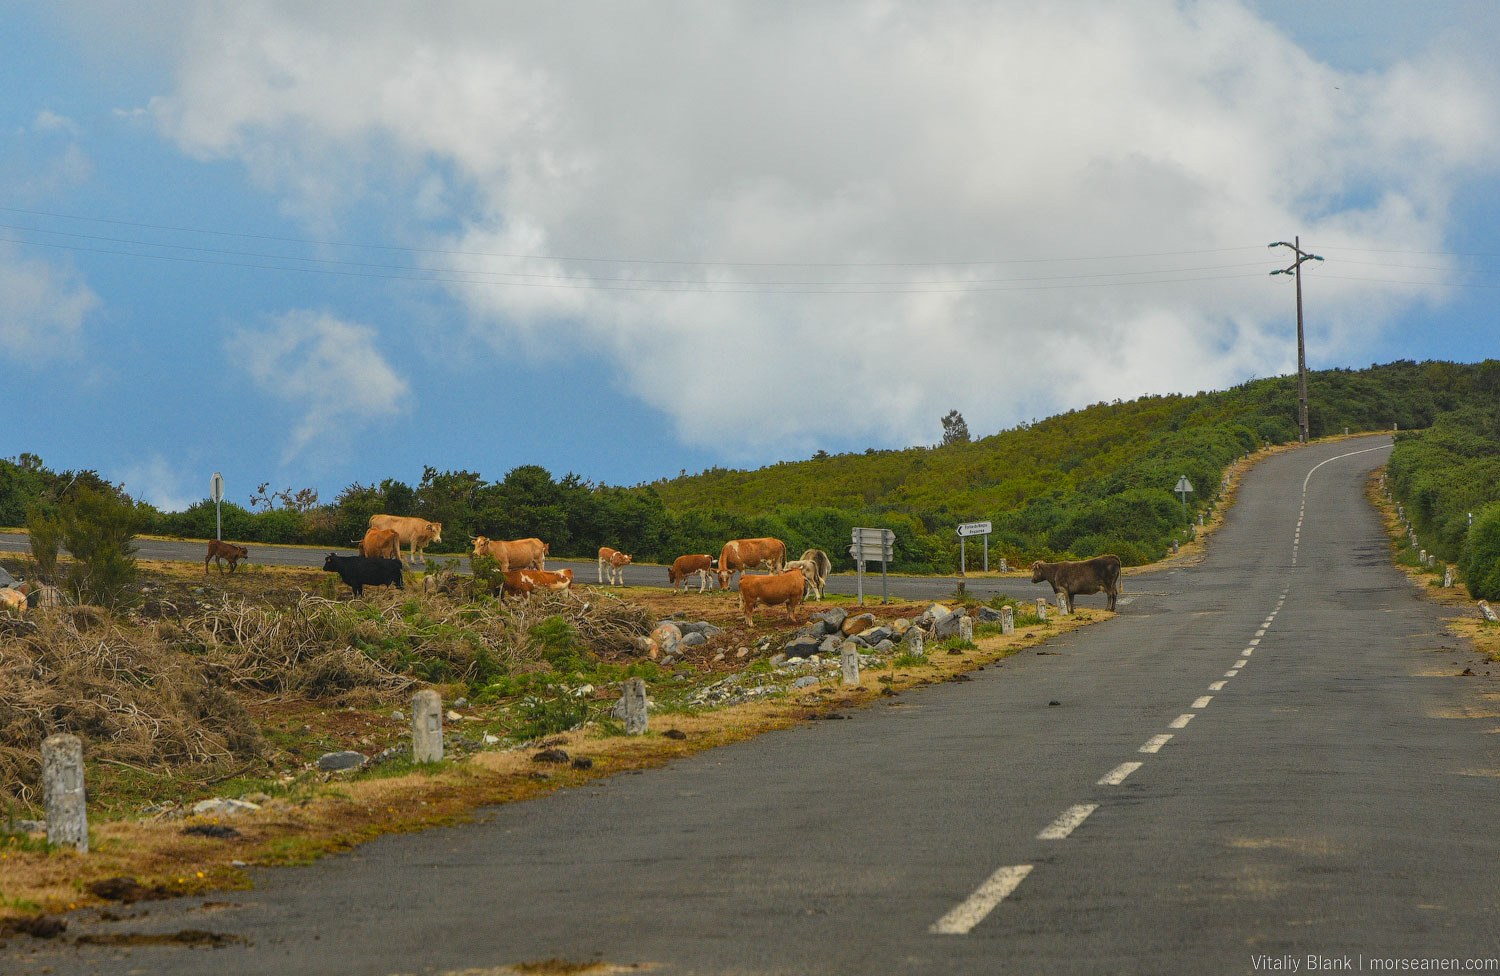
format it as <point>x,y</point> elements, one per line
<point>878,133</point>
<point>43,307</point>
<point>49,121</point>
<point>328,370</point>
<point>157,481</point>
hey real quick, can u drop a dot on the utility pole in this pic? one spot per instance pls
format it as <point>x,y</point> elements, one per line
<point>1296,271</point>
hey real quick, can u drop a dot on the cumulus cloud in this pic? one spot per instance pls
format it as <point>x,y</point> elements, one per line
<point>886,203</point>
<point>159,482</point>
<point>327,370</point>
<point>43,307</point>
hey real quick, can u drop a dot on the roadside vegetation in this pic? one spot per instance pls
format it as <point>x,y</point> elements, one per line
<point>1093,480</point>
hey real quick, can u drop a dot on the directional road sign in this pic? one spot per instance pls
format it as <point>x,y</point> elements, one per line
<point>974,528</point>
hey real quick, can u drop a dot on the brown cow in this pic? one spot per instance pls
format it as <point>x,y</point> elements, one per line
<point>416,533</point>
<point>381,544</point>
<point>743,554</point>
<point>1081,578</point>
<point>522,581</point>
<point>519,554</point>
<point>782,588</point>
<point>615,562</point>
<point>684,566</point>
<point>218,549</point>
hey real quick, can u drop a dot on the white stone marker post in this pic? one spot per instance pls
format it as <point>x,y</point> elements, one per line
<point>1041,607</point>
<point>1062,603</point>
<point>635,706</point>
<point>426,727</point>
<point>1007,620</point>
<point>966,628</point>
<point>62,791</point>
<point>1447,576</point>
<point>914,641</point>
<point>1422,557</point>
<point>849,663</point>
<point>1004,567</point>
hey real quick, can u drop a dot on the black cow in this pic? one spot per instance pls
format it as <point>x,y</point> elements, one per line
<point>1081,578</point>
<point>360,571</point>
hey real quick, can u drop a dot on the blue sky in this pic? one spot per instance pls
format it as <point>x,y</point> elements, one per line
<point>320,244</point>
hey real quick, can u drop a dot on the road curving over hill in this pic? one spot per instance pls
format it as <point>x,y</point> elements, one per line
<point>1267,756</point>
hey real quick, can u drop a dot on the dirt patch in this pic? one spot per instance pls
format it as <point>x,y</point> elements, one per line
<point>183,937</point>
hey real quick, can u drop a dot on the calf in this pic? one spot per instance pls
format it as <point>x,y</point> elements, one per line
<point>361,571</point>
<point>821,567</point>
<point>521,582</point>
<point>782,588</point>
<point>218,549</point>
<point>1081,578</point>
<point>613,561</point>
<point>381,544</point>
<point>684,566</point>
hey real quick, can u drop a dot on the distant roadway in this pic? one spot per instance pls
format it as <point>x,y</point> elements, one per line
<point>1272,756</point>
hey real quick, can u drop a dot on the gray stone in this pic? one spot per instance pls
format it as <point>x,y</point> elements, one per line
<point>1007,620</point>
<point>1041,608</point>
<point>914,642</point>
<point>634,699</point>
<point>806,681</point>
<point>833,617</point>
<point>947,626</point>
<point>341,760</point>
<point>694,639</point>
<point>218,807</point>
<point>63,792</point>
<point>849,664</point>
<point>777,659</point>
<point>6,579</point>
<point>830,645</point>
<point>1062,604</point>
<point>988,615</point>
<point>886,647</point>
<point>875,634</point>
<point>815,629</point>
<point>966,629</point>
<point>426,726</point>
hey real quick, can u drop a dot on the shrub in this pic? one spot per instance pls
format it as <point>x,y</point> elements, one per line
<point>1481,554</point>
<point>44,528</point>
<point>99,529</point>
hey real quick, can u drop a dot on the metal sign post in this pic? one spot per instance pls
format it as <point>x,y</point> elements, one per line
<point>216,492</point>
<point>966,530</point>
<point>1183,487</point>
<point>872,544</point>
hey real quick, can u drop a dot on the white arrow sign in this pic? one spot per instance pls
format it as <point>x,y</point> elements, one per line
<point>974,528</point>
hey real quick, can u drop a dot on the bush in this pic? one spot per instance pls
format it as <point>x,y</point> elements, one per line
<point>44,528</point>
<point>1481,554</point>
<point>99,529</point>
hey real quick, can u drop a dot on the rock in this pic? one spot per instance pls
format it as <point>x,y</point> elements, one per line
<point>258,798</point>
<point>806,681</point>
<point>490,740</point>
<point>857,641</point>
<point>830,645</point>
<point>718,657</point>
<point>675,734</point>
<point>777,659</point>
<point>583,691</point>
<point>988,615</point>
<point>337,760</point>
<point>698,627</point>
<point>550,756</point>
<point>834,618</point>
<point>856,624</point>
<point>946,626</point>
<point>936,612</point>
<point>693,640</point>
<point>875,635</point>
<point>742,652</point>
<point>453,716</point>
<point>229,808</point>
<point>815,629</point>
<point>900,626</point>
<point>461,703</point>
<point>801,646</point>
<point>31,826</point>
<point>583,762</point>
<point>398,715</point>
<point>666,633</point>
<point>220,831</point>
<point>884,647</point>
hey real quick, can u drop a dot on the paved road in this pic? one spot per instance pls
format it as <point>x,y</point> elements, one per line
<point>1329,787</point>
<point>900,587</point>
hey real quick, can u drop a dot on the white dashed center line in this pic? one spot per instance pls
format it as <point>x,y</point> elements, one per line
<point>972,910</point>
<point>1203,702</point>
<point>1067,821</point>
<point>1231,672</point>
<point>1155,743</point>
<point>1181,721</point>
<point>1117,775</point>
<point>1241,663</point>
<point>1217,686</point>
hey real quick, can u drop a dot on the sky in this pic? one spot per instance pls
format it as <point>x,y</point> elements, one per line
<point>321,244</point>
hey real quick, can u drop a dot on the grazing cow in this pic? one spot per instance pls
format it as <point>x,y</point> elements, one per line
<point>520,554</point>
<point>782,588</point>
<point>685,566</point>
<point>522,581</point>
<point>743,554</point>
<point>1081,578</point>
<point>381,544</point>
<point>416,533</point>
<point>821,566</point>
<point>615,562</point>
<point>361,571</point>
<point>218,549</point>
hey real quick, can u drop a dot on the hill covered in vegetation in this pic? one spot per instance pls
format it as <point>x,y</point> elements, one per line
<point>1092,480</point>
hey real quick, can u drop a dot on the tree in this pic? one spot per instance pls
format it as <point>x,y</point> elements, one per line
<point>955,431</point>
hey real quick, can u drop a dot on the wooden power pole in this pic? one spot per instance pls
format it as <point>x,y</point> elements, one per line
<point>1295,271</point>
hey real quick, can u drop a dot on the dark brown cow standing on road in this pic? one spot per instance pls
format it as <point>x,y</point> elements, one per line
<point>226,550</point>
<point>1081,578</point>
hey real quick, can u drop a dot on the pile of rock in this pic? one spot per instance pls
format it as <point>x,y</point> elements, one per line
<point>671,638</point>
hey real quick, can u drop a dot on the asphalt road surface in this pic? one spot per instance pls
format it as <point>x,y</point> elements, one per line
<point>1266,757</point>
<point>899,587</point>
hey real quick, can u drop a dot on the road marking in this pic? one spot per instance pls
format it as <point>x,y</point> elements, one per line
<point>972,910</point>
<point>1203,702</point>
<point>1067,821</point>
<point>1117,775</point>
<point>1231,672</point>
<point>1255,642</point>
<point>1155,743</point>
<point>1181,721</point>
<point>1261,632</point>
<point>1241,663</point>
<point>1315,467</point>
<point>1217,686</point>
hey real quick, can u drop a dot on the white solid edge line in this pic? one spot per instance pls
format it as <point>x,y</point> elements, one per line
<point>972,910</point>
<point>1155,743</point>
<point>1117,775</point>
<point>1181,721</point>
<point>1067,821</point>
<point>1385,447</point>
<point>1203,701</point>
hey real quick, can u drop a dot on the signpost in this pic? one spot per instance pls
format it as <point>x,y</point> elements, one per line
<point>216,492</point>
<point>872,544</point>
<point>966,530</point>
<point>1183,487</point>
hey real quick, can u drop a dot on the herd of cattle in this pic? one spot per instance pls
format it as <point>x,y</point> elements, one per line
<point>521,566</point>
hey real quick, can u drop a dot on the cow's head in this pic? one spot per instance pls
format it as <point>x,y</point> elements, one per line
<point>723,576</point>
<point>479,543</point>
<point>330,565</point>
<point>436,528</point>
<point>566,574</point>
<point>546,549</point>
<point>1036,572</point>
